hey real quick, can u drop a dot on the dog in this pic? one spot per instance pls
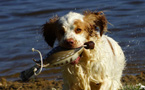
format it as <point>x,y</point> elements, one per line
<point>99,68</point>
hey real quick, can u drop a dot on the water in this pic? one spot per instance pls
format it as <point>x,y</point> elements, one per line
<point>20,30</point>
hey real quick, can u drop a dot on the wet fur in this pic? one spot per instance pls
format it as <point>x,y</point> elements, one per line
<point>98,69</point>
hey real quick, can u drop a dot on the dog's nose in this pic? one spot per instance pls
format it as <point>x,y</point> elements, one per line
<point>69,42</point>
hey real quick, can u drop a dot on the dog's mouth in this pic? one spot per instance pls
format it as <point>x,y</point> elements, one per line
<point>87,45</point>
<point>76,61</point>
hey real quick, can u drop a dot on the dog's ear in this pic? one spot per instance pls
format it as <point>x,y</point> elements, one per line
<point>49,30</point>
<point>96,19</point>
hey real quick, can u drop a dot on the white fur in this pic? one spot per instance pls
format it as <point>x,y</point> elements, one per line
<point>102,65</point>
<point>67,22</point>
<point>68,19</point>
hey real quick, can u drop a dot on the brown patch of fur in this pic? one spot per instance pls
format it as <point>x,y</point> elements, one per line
<point>96,19</point>
<point>59,32</point>
<point>84,26</point>
<point>49,29</point>
<point>111,47</point>
<point>79,24</point>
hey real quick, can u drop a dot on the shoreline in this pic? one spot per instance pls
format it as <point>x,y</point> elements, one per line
<point>44,84</point>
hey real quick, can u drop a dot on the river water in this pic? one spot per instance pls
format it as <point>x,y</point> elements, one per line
<point>21,21</point>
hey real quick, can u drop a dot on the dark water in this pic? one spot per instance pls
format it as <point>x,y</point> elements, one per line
<point>21,20</point>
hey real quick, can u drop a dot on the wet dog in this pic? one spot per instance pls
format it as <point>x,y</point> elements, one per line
<point>97,69</point>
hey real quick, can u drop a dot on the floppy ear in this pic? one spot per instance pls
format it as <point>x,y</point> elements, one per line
<point>49,30</point>
<point>96,19</point>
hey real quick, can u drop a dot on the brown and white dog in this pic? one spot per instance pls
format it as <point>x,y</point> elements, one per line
<point>99,68</point>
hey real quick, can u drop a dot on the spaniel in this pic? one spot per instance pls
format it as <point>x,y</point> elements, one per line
<point>97,69</point>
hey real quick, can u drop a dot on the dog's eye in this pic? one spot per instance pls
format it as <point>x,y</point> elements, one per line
<point>78,30</point>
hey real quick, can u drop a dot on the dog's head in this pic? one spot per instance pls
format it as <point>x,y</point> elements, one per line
<point>73,29</point>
